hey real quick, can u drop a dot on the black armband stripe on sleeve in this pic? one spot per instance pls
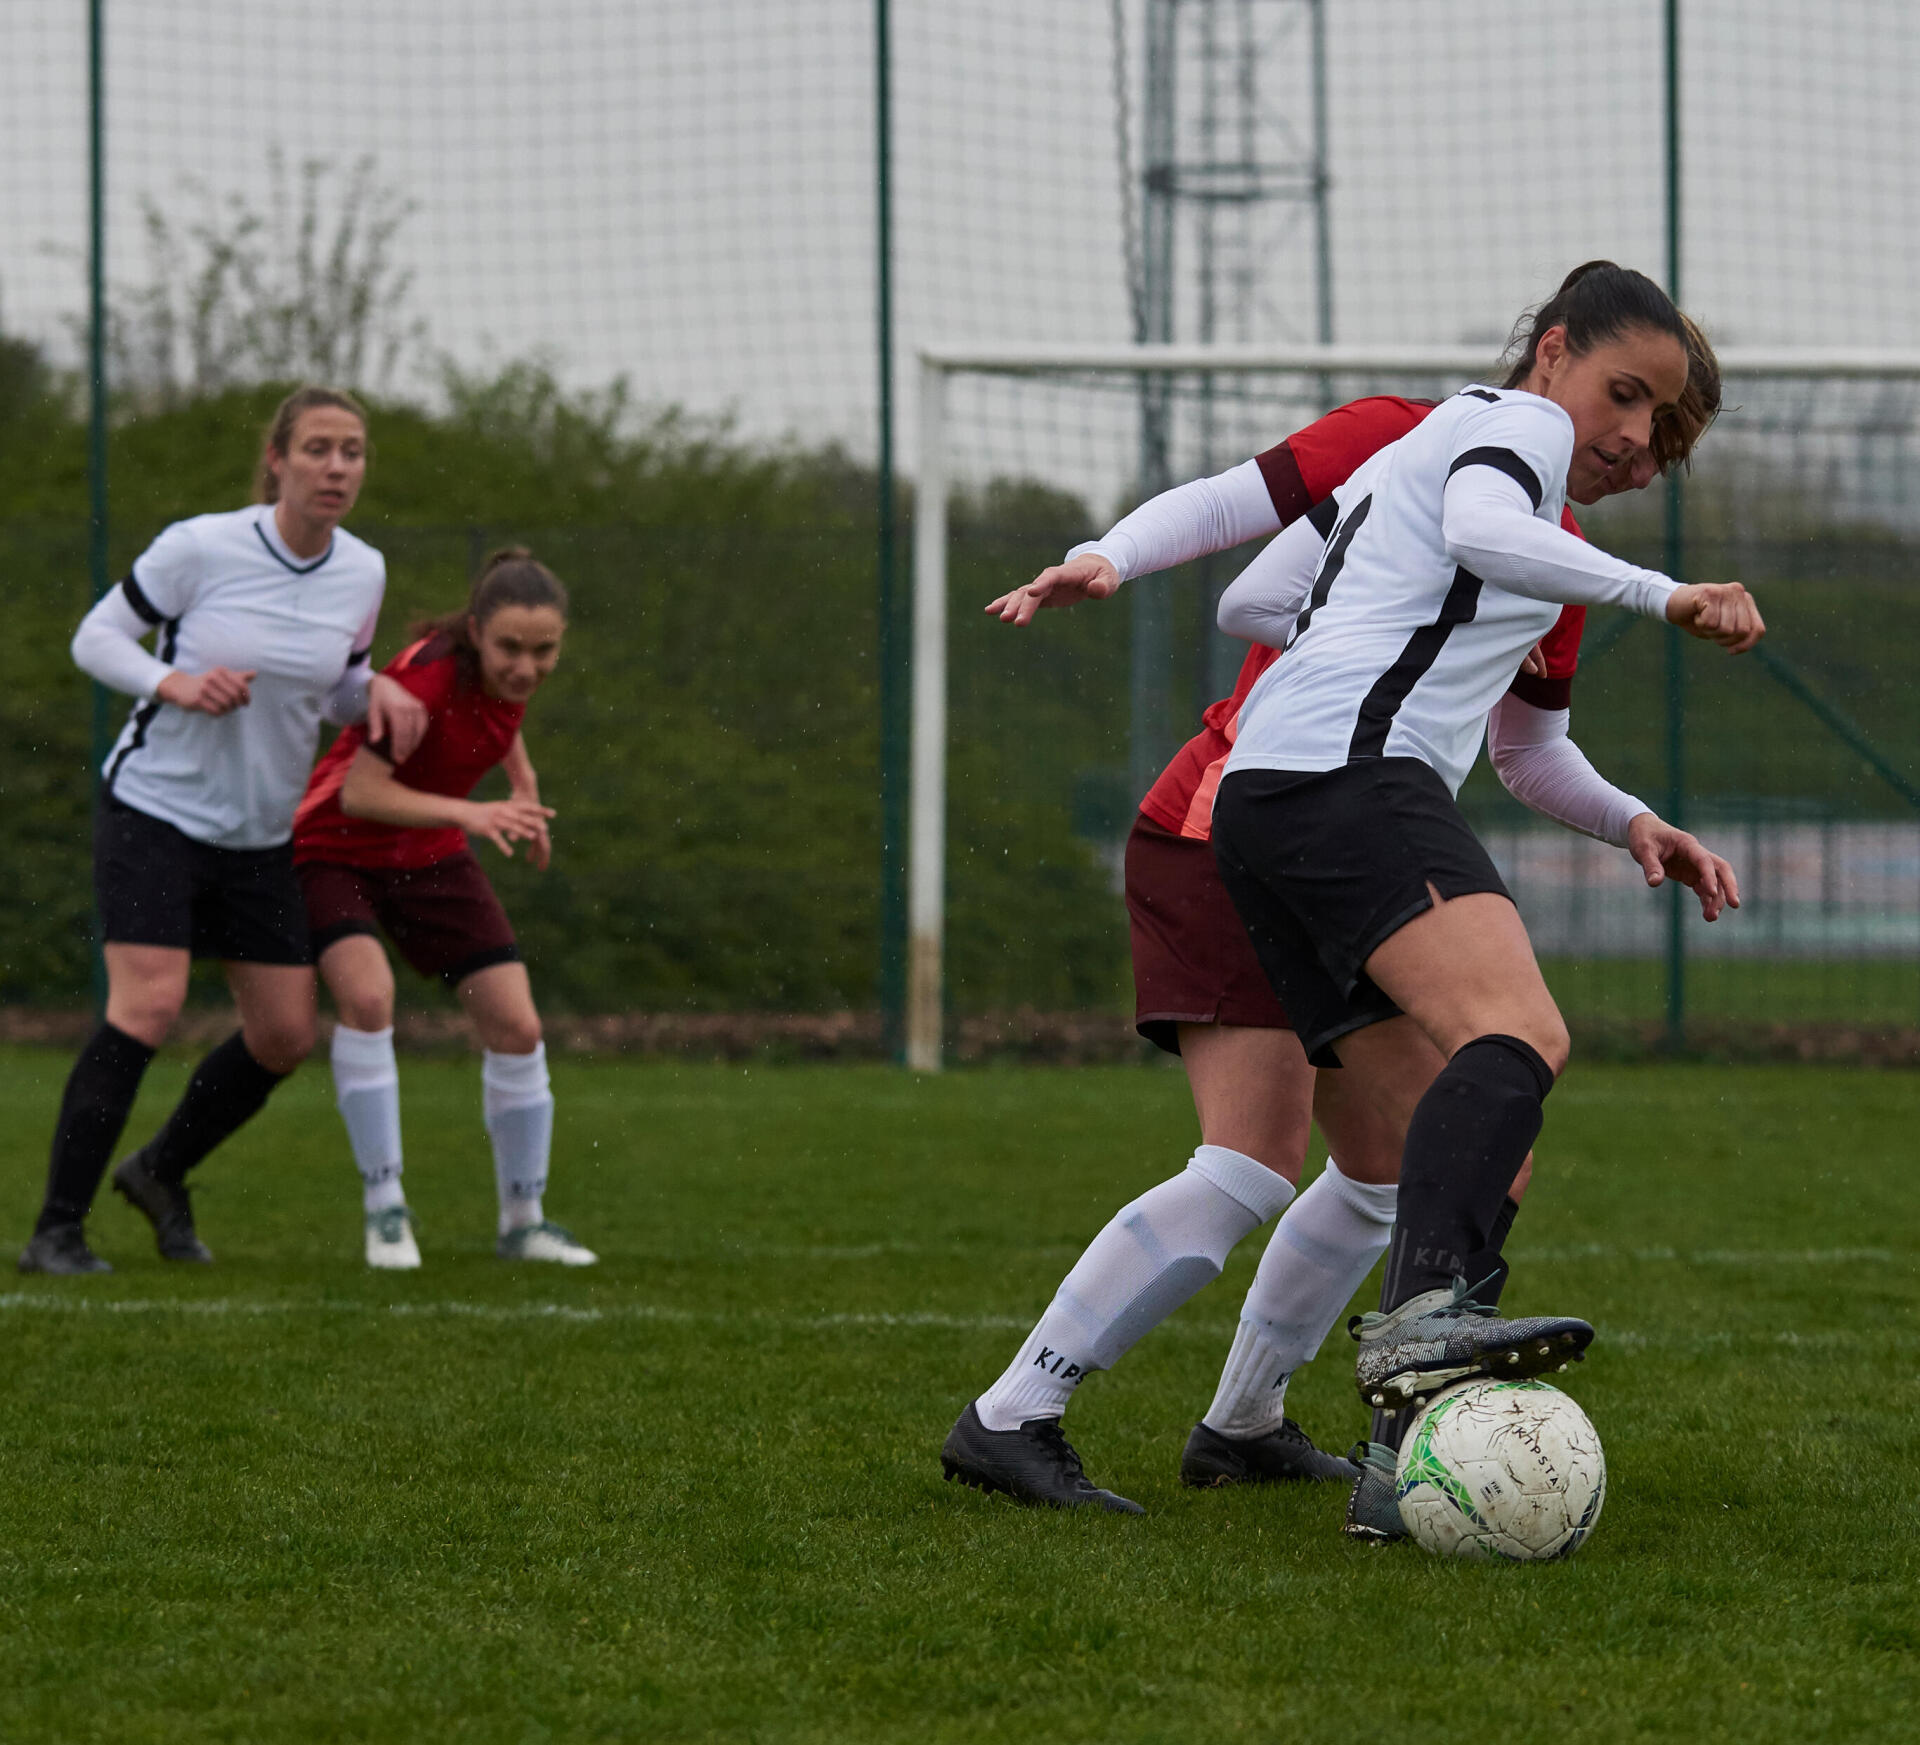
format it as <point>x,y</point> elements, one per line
<point>1542,693</point>
<point>1280,471</point>
<point>1323,517</point>
<point>359,657</point>
<point>137,599</point>
<point>1503,460</point>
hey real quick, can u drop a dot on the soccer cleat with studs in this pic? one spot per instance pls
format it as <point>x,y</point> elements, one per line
<point>391,1243</point>
<point>1409,1354</point>
<point>545,1241</point>
<point>1373,1511</point>
<point>1283,1455</point>
<point>62,1251</point>
<point>1034,1464</point>
<point>165,1205</point>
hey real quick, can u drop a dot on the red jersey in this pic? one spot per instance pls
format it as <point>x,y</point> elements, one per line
<point>468,732</point>
<point>1301,473</point>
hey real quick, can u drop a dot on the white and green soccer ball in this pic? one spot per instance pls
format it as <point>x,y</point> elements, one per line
<point>1501,1469</point>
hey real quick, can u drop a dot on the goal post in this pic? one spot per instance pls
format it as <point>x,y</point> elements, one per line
<point>1325,375</point>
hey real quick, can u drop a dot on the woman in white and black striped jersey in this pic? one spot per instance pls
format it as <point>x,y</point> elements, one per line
<point>265,619</point>
<point>1377,914</point>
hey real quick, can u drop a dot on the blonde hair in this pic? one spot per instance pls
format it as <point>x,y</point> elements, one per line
<point>266,487</point>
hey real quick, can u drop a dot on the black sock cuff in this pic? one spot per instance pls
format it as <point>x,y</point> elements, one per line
<point>237,1057</point>
<point>1524,1052</point>
<point>128,1051</point>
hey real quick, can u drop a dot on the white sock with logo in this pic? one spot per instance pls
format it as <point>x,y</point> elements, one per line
<point>366,1085</point>
<point>518,1098</point>
<point>1316,1259</point>
<point>1149,1260</point>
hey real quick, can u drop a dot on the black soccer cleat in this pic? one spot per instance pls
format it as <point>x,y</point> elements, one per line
<point>1441,1336</point>
<point>165,1205</point>
<point>61,1249</point>
<point>1034,1464</point>
<point>1285,1455</point>
<point>1373,1509</point>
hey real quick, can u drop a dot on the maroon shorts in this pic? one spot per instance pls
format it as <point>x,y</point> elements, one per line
<point>1192,960</point>
<point>443,919</point>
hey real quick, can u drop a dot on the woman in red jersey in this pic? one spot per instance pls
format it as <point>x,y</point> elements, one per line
<point>381,846</point>
<point>1202,994</point>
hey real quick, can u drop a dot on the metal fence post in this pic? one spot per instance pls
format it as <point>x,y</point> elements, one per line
<point>893,736</point>
<point>927,829</point>
<point>97,382</point>
<point>1674,560</point>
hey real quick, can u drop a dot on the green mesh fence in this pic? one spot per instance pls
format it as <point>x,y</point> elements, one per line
<point>609,273</point>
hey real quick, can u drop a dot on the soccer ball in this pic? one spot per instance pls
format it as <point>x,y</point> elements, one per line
<point>1501,1469</point>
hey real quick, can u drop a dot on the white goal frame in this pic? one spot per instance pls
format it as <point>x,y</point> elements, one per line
<point>927,801</point>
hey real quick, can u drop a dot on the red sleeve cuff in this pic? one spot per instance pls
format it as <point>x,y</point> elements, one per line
<point>1281,471</point>
<point>1542,693</point>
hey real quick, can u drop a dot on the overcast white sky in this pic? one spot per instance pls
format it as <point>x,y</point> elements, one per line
<point>684,192</point>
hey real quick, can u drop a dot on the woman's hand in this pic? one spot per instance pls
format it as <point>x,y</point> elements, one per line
<point>395,718</point>
<point>1666,852</point>
<point>218,691</point>
<point>1722,612</point>
<point>505,822</point>
<point>1065,584</point>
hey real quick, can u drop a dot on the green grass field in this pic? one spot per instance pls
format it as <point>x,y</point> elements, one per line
<point>694,1494</point>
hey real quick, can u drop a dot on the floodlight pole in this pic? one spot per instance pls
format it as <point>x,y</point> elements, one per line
<point>927,838</point>
<point>97,379</point>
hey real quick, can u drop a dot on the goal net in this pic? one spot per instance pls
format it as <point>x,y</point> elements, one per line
<point>1796,763</point>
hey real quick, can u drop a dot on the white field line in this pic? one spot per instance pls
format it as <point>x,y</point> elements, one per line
<point>1673,1341</point>
<point>1715,1256</point>
<point>455,1310</point>
<point>1549,1256</point>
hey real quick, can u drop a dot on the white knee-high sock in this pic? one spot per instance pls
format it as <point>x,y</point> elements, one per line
<point>518,1099</point>
<point>1149,1260</point>
<point>366,1085</point>
<point>1316,1259</point>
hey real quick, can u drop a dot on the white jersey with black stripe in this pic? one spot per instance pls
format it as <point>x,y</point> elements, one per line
<point>224,590</point>
<point>1401,650</point>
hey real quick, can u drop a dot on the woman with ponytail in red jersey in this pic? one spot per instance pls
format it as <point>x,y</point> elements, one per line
<point>381,847</point>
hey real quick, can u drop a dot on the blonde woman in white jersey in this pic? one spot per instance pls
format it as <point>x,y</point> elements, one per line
<point>264,620</point>
<point>1377,914</point>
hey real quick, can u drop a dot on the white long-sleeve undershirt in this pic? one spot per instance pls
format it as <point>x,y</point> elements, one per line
<point>1489,527</point>
<point>1191,521</point>
<point>107,647</point>
<point>1542,768</point>
<point>1261,603</point>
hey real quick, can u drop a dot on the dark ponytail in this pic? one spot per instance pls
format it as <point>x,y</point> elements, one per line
<point>512,576</point>
<point>1597,302</point>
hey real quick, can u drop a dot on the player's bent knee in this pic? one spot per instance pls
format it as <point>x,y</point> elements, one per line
<point>366,1009</point>
<point>513,1035</point>
<point>148,1015</point>
<point>282,1046</point>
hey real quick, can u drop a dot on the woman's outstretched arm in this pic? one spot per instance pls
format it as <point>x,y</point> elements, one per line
<point>1190,521</point>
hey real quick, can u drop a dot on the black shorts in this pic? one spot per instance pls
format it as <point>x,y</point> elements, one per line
<point>1326,865</point>
<point>444,919</point>
<point>155,885</point>
<point>1192,960</point>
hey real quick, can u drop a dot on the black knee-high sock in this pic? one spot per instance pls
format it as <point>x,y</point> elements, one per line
<point>1487,1273</point>
<point>226,1091</point>
<point>1467,1139</point>
<point>93,1112</point>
